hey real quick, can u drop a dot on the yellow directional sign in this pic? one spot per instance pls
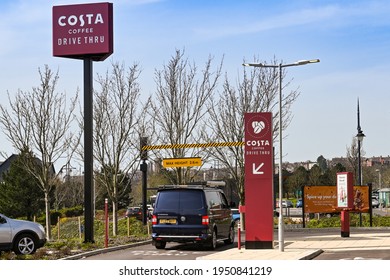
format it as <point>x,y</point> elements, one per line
<point>182,162</point>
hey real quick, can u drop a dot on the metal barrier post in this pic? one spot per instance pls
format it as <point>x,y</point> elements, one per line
<point>106,224</point>
<point>239,235</point>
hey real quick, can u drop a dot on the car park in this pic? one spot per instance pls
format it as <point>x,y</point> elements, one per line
<point>22,237</point>
<point>287,203</point>
<point>132,212</point>
<point>191,213</point>
<point>136,211</point>
<point>235,215</point>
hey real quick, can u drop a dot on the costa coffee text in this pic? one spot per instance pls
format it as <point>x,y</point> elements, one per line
<point>80,21</point>
<point>74,20</point>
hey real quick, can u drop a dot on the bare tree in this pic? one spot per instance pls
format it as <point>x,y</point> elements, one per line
<point>40,121</point>
<point>116,135</point>
<point>353,158</point>
<point>69,191</point>
<point>314,176</point>
<point>257,91</point>
<point>179,106</point>
<point>297,180</point>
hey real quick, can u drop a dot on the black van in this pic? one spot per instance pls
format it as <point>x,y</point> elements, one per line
<point>191,213</point>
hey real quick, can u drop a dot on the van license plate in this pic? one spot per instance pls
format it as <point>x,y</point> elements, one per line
<point>167,221</point>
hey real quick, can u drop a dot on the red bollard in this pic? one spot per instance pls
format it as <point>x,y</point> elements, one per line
<point>344,223</point>
<point>239,235</point>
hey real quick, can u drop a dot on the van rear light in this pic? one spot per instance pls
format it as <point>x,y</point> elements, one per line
<point>154,220</point>
<point>205,220</point>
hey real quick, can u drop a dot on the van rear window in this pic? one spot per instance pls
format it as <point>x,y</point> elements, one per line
<point>179,199</point>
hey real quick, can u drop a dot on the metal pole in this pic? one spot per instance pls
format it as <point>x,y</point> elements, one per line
<point>281,224</point>
<point>88,150</point>
<point>359,165</point>
<point>370,201</point>
<point>144,169</point>
<point>280,66</point>
<point>359,136</point>
<point>360,179</point>
<point>106,223</point>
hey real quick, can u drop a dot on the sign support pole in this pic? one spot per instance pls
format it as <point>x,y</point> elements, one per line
<point>88,151</point>
<point>144,169</point>
<point>345,200</point>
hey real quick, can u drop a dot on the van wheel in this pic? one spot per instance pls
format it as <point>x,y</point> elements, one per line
<point>230,239</point>
<point>160,244</point>
<point>212,244</point>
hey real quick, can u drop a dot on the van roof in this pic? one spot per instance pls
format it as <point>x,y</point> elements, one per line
<point>195,185</point>
<point>185,187</point>
<point>203,184</point>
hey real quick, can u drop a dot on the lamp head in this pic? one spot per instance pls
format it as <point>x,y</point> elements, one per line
<point>360,136</point>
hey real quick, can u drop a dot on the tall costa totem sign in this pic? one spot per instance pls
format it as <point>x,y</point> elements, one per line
<point>259,224</point>
<point>85,31</point>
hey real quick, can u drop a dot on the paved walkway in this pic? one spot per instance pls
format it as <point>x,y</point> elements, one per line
<point>304,244</point>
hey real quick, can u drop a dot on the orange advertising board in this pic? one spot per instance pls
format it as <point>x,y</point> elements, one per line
<point>323,199</point>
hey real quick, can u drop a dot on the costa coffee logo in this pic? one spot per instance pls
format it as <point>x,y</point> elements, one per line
<point>81,19</point>
<point>258,126</point>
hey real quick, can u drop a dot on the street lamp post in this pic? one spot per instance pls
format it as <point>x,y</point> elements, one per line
<point>280,66</point>
<point>360,136</point>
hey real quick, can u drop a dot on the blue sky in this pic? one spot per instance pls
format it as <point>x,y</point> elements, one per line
<point>351,38</point>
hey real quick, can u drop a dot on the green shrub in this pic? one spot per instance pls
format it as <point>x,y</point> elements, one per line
<point>72,212</point>
<point>54,215</point>
<point>324,222</point>
<point>335,221</point>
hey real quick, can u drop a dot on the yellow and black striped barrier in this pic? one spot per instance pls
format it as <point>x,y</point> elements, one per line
<point>186,146</point>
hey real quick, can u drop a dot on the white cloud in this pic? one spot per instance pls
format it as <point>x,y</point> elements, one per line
<point>328,16</point>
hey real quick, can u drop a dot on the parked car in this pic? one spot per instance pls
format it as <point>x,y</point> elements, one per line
<point>299,203</point>
<point>287,203</point>
<point>235,215</point>
<point>375,203</point>
<point>22,237</point>
<point>132,212</point>
<point>137,212</point>
<point>192,213</point>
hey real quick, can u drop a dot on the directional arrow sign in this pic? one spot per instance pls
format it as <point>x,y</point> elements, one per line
<point>256,170</point>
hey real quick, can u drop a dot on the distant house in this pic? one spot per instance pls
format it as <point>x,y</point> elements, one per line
<point>6,165</point>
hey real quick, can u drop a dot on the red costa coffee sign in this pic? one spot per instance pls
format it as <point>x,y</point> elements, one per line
<point>81,31</point>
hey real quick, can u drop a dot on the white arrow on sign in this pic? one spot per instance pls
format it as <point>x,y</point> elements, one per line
<point>256,170</point>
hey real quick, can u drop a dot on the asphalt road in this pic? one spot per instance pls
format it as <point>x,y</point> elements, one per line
<point>173,251</point>
<point>355,255</point>
<point>176,251</point>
